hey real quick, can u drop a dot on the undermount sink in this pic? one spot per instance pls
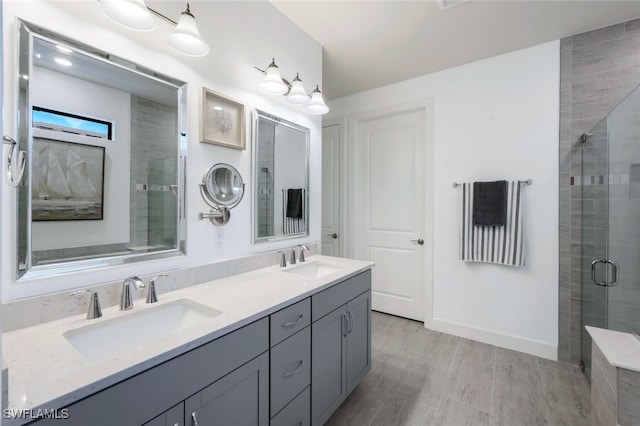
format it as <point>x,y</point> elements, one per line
<point>312,269</point>
<point>108,337</point>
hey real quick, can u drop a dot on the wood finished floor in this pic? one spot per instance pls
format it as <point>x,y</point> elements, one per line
<point>423,377</point>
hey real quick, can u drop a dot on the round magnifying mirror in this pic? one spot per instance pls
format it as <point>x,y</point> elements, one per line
<point>222,186</point>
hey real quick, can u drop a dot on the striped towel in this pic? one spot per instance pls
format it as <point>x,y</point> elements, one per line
<point>293,211</point>
<point>493,244</point>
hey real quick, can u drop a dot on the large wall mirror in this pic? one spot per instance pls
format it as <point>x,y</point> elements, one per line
<point>281,179</point>
<point>106,151</point>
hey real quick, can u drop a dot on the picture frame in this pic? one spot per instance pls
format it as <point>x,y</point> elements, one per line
<point>222,120</point>
<point>68,181</point>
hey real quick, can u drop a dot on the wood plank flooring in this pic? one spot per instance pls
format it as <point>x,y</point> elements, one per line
<point>421,377</point>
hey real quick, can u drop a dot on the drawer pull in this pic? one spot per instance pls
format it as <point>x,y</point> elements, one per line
<point>294,371</point>
<point>292,323</point>
<point>194,418</point>
<point>345,325</point>
<point>350,321</point>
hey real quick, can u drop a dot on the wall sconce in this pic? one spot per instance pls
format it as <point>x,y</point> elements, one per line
<point>134,14</point>
<point>294,92</point>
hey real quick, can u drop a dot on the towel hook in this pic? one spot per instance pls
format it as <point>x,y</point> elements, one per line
<point>16,162</point>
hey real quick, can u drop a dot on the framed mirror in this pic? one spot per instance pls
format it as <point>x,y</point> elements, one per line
<point>106,151</point>
<point>281,179</point>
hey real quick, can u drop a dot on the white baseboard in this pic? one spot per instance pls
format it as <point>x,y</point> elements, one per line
<point>492,337</point>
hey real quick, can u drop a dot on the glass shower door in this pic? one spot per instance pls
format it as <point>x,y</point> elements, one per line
<point>610,185</point>
<point>623,243</point>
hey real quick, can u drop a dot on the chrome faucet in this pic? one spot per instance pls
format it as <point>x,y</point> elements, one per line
<point>292,259</point>
<point>151,293</point>
<point>94,310</point>
<point>126,298</point>
<point>283,258</point>
<point>303,248</point>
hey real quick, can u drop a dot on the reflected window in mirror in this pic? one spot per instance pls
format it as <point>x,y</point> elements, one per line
<point>106,156</point>
<point>281,158</point>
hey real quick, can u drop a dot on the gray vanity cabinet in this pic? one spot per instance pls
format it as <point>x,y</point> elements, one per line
<point>340,344</point>
<point>172,417</point>
<point>358,340</point>
<point>239,398</point>
<point>240,357</point>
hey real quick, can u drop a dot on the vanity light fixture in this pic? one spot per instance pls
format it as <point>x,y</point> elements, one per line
<point>135,14</point>
<point>186,38</point>
<point>294,92</point>
<point>132,14</point>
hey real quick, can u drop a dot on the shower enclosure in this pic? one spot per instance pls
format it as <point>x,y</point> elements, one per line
<point>610,222</point>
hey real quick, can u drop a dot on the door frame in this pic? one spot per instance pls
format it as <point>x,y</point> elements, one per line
<point>350,188</point>
<point>341,122</point>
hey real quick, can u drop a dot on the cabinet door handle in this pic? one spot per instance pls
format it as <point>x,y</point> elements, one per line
<point>194,418</point>
<point>292,323</point>
<point>345,325</point>
<point>294,371</point>
<point>350,321</point>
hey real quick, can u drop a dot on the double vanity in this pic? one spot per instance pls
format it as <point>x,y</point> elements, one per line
<point>279,346</point>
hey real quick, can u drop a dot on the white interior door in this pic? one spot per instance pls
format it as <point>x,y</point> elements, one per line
<point>390,209</point>
<point>331,191</point>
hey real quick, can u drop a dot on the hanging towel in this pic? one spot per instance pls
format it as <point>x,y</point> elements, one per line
<point>293,205</point>
<point>490,203</point>
<point>493,244</point>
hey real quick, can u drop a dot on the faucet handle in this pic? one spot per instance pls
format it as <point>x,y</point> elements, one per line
<point>292,259</point>
<point>94,310</point>
<point>283,258</point>
<point>152,297</point>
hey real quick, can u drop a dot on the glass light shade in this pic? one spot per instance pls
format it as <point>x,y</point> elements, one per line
<point>132,14</point>
<point>316,105</point>
<point>297,95</point>
<point>272,83</point>
<point>186,37</point>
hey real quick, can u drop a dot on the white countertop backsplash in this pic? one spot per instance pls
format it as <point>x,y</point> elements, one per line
<point>621,350</point>
<point>45,371</point>
<point>45,308</point>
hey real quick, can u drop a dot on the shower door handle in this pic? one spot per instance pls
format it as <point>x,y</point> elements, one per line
<point>614,276</point>
<point>593,272</point>
<point>614,266</point>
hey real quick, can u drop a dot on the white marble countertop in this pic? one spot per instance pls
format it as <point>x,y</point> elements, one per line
<point>620,349</point>
<point>45,371</point>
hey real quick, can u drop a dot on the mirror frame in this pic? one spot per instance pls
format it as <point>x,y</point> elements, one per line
<point>25,269</point>
<point>258,114</point>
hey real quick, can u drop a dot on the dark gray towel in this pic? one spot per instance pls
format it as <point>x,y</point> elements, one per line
<point>490,203</point>
<point>294,203</point>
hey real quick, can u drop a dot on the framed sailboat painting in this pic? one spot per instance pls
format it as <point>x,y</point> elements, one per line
<point>68,181</point>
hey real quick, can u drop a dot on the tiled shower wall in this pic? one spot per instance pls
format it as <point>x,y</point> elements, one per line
<point>153,171</point>
<point>597,70</point>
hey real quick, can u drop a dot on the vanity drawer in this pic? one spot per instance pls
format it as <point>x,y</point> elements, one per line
<point>297,413</point>
<point>290,320</point>
<point>332,298</point>
<point>290,369</point>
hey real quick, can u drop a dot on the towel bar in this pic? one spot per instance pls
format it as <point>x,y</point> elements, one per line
<point>526,182</point>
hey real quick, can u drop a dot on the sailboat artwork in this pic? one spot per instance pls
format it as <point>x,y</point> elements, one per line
<point>68,181</point>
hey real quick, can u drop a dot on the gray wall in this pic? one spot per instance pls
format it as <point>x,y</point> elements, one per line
<point>597,70</point>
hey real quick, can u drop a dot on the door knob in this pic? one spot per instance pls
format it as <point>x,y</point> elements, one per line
<point>419,241</point>
<point>334,235</point>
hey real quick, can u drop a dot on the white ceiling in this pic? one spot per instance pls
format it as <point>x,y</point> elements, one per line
<point>369,44</point>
